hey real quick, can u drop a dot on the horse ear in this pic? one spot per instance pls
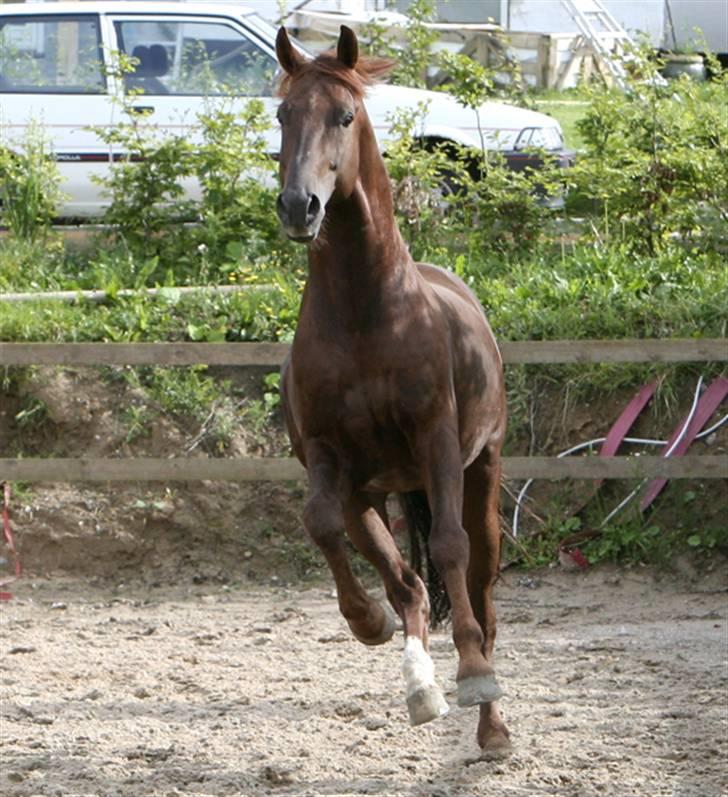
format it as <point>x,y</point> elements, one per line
<point>347,49</point>
<point>288,58</point>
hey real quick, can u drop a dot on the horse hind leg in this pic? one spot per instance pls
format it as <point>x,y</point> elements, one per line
<point>482,523</point>
<point>367,529</point>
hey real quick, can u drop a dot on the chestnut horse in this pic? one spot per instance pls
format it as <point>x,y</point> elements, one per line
<point>394,385</point>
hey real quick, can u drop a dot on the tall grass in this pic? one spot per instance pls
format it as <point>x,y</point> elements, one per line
<point>29,189</point>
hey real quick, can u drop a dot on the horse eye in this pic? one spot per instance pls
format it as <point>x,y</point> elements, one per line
<point>347,119</point>
<point>280,114</point>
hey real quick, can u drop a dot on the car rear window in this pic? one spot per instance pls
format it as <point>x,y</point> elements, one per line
<point>56,54</point>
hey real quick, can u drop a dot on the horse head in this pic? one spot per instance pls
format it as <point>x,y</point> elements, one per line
<point>321,116</point>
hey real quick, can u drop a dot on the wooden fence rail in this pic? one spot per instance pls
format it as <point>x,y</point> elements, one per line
<point>289,469</point>
<point>273,354</point>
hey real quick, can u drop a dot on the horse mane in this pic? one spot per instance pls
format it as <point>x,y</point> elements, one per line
<point>367,71</point>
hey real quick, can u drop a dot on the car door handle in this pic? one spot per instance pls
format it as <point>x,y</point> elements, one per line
<point>139,109</point>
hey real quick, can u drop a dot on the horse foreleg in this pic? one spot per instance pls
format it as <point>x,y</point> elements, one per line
<point>450,552</point>
<point>366,528</point>
<point>323,520</point>
<point>482,524</point>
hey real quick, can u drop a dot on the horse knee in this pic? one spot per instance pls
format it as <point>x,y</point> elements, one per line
<point>323,520</point>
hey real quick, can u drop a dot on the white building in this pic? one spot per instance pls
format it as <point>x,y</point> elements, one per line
<point>668,23</point>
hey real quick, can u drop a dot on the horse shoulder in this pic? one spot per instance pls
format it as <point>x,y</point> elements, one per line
<point>477,368</point>
<point>462,307</point>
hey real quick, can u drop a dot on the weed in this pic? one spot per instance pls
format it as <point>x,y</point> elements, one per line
<point>629,543</point>
<point>34,414</point>
<point>305,559</point>
<point>256,415</point>
<point>29,186</point>
<point>138,419</point>
<point>272,396</point>
<point>709,540</point>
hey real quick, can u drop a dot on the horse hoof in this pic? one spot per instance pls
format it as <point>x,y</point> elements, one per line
<point>498,745</point>
<point>426,705</point>
<point>478,689</point>
<point>388,628</point>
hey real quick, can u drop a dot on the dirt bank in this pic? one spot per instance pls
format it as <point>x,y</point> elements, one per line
<point>221,531</point>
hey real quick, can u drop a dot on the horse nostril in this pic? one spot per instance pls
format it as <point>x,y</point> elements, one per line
<point>314,206</point>
<point>280,206</point>
<point>297,208</point>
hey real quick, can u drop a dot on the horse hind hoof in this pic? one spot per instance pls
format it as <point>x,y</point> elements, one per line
<point>388,628</point>
<point>495,747</point>
<point>426,705</point>
<point>478,689</point>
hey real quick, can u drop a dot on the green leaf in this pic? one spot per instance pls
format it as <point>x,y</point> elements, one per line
<point>195,333</point>
<point>170,295</point>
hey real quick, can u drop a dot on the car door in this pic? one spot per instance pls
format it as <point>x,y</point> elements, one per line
<point>53,83</point>
<point>186,64</point>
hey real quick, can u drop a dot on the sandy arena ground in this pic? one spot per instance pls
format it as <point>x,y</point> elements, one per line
<point>615,685</point>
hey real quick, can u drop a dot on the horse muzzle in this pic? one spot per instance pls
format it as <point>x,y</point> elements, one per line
<point>300,214</point>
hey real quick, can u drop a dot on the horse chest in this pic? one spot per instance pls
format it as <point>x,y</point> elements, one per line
<point>363,410</point>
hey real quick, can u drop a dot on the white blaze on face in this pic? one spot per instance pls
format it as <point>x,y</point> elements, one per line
<point>417,666</point>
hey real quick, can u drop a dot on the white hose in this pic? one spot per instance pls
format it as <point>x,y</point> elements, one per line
<point>636,440</point>
<point>617,509</point>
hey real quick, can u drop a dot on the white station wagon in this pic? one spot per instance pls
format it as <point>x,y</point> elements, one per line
<point>60,66</point>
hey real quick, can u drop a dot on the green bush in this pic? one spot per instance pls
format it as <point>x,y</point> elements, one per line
<point>237,180</point>
<point>147,210</point>
<point>655,160</point>
<point>417,175</point>
<point>190,241</point>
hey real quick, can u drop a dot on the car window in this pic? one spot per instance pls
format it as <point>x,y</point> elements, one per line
<point>193,57</point>
<point>524,138</point>
<point>51,54</point>
<point>539,137</point>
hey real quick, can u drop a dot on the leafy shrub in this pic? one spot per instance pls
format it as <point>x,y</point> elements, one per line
<point>656,160</point>
<point>147,207</point>
<point>151,214</point>
<point>237,177</point>
<point>446,194</point>
<point>418,174</point>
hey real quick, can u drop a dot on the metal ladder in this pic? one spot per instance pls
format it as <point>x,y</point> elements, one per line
<point>593,19</point>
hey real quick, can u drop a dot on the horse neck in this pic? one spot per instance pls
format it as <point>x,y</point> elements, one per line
<point>361,251</point>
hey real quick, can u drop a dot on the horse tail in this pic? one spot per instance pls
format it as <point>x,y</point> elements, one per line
<point>416,510</point>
